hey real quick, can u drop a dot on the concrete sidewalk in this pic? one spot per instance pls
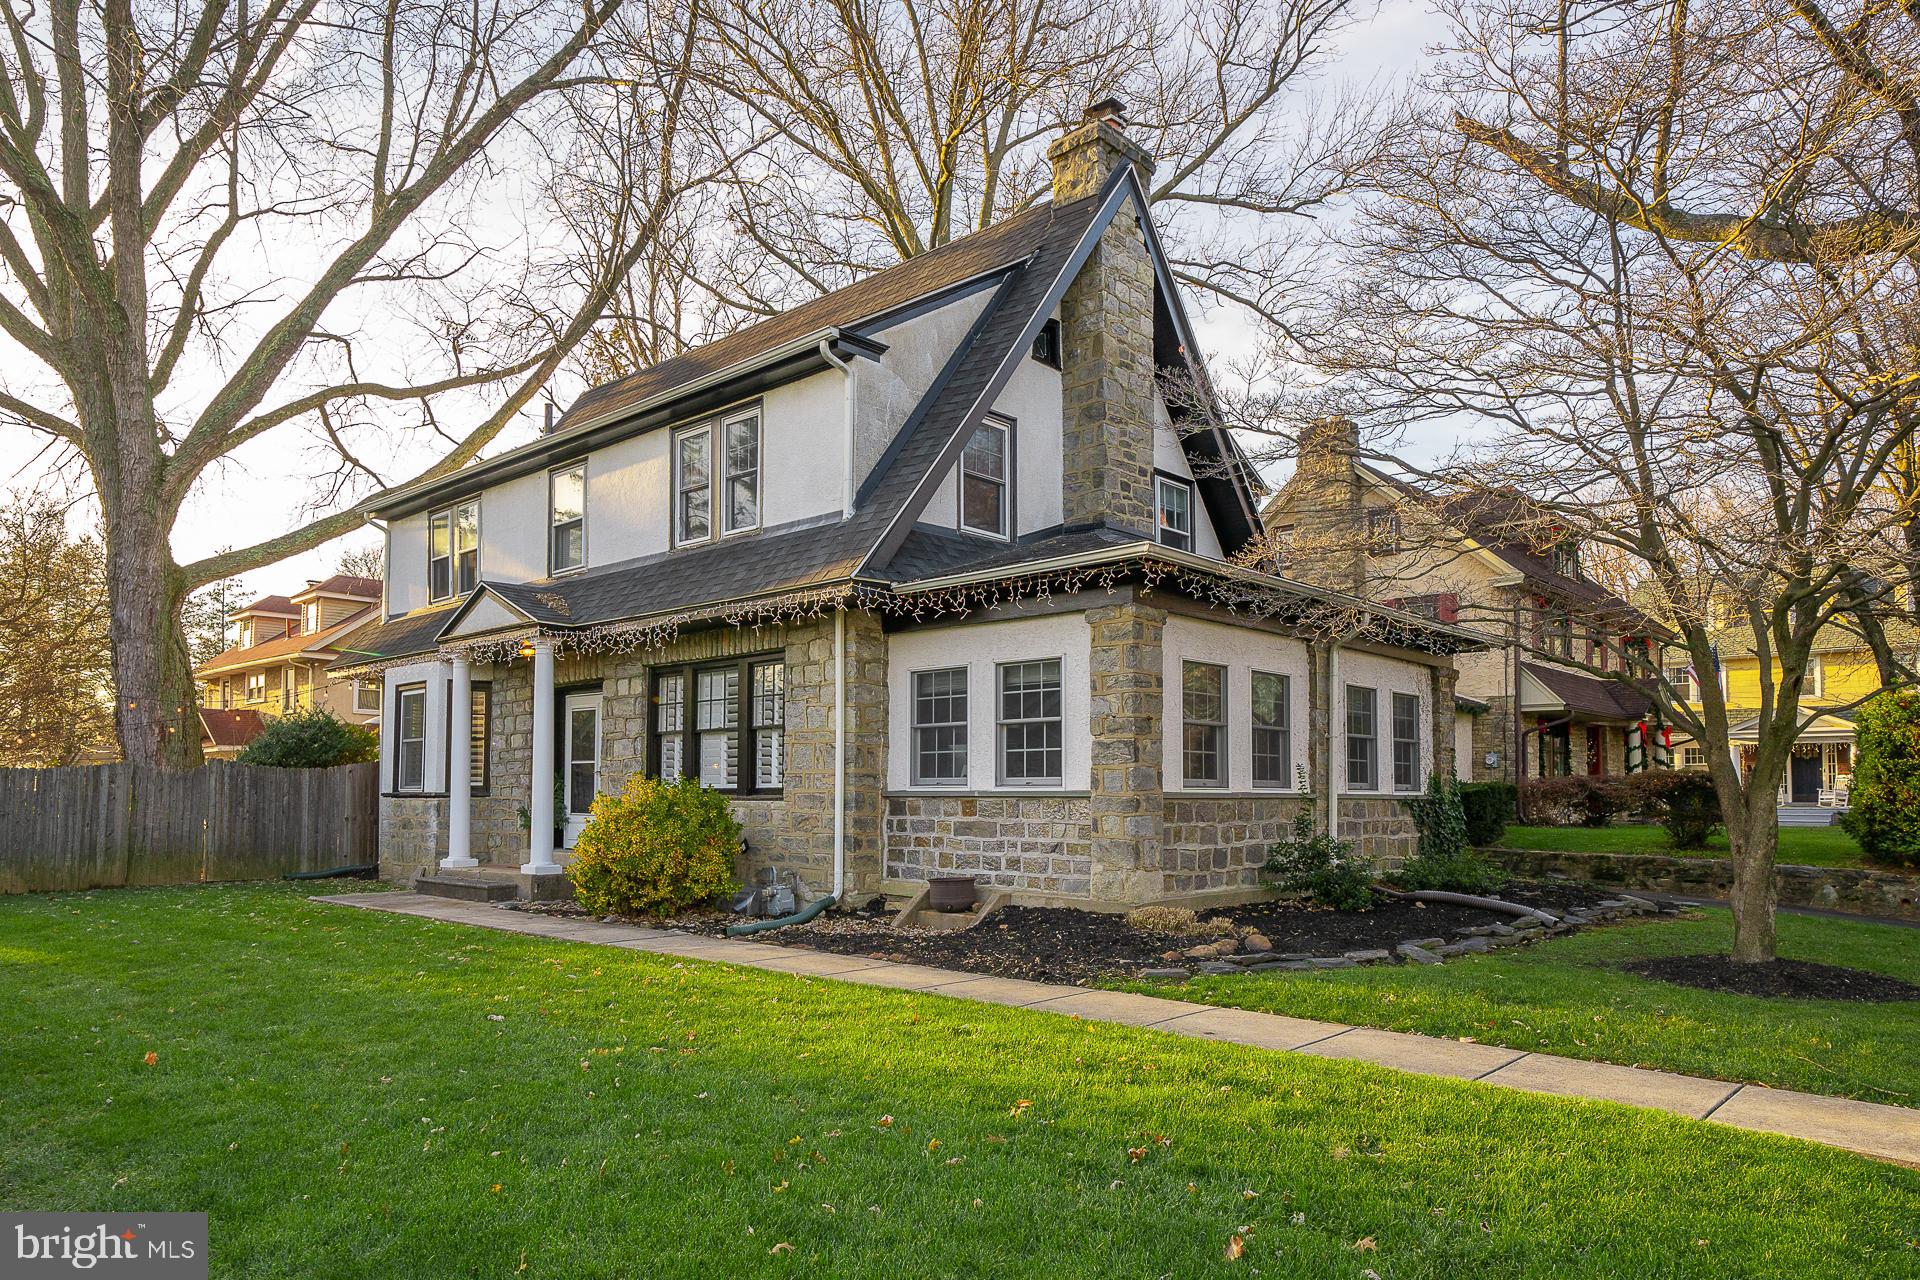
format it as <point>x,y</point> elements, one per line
<point>1869,1128</point>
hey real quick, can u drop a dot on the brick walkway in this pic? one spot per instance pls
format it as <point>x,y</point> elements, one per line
<point>1873,1129</point>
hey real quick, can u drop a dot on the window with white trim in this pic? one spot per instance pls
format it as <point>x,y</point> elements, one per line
<point>742,436</point>
<point>983,480</point>
<point>410,738</point>
<point>567,518</point>
<point>1272,730</point>
<point>1363,738</point>
<point>1203,712</point>
<point>1030,722</point>
<point>940,727</point>
<point>453,550</point>
<point>1406,742</point>
<point>693,485</point>
<point>1816,683</point>
<point>256,686</point>
<point>1693,757</point>
<point>1173,512</point>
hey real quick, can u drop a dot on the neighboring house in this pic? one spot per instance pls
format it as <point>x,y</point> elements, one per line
<point>282,648</point>
<point>1559,695</point>
<point>924,574</point>
<point>1842,675</point>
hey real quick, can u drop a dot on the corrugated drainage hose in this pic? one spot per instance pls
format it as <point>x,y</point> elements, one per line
<point>801,916</point>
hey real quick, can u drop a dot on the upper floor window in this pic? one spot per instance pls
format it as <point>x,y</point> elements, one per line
<point>310,617</point>
<point>1203,697</point>
<point>567,518</point>
<point>1383,531</point>
<point>1685,687</point>
<point>1173,512</point>
<point>453,550</point>
<point>738,474</point>
<point>983,480</point>
<point>1816,681</point>
<point>1565,558</point>
<point>1046,344</point>
<point>366,696</point>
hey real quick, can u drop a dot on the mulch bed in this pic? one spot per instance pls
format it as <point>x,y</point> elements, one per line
<point>1060,944</point>
<point>1796,979</point>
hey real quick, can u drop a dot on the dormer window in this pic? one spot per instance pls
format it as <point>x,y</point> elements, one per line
<point>983,480</point>
<point>1173,512</point>
<point>567,518</point>
<point>694,476</point>
<point>1565,558</point>
<point>453,550</point>
<point>1046,344</point>
<point>310,617</point>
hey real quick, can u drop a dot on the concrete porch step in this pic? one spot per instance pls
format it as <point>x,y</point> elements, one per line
<point>467,886</point>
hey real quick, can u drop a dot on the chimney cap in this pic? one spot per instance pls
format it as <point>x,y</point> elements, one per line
<point>1110,109</point>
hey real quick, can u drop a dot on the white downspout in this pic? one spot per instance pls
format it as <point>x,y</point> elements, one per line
<point>846,422</point>
<point>839,751</point>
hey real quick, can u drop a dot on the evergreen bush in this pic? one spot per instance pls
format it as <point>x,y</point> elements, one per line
<point>656,848</point>
<point>1884,812</point>
<point>312,739</point>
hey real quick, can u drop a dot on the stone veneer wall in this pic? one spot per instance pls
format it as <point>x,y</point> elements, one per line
<point>1890,894</point>
<point>1380,827</point>
<point>792,832</point>
<point>1031,844</point>
<point>1125,718</point>
<point>1221,843</point>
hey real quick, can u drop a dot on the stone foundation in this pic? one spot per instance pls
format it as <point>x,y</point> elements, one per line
<point>1380,827</point>
<point>1030,844</point>
<point>413,835</point>
<point>1218,844</point>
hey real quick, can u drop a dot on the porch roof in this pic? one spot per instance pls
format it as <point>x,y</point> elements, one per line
<point>1545,688</point>
<point>1826,726</point>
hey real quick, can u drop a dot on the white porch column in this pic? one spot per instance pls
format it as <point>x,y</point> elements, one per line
<point>540,802</point>
<point>460,769</point>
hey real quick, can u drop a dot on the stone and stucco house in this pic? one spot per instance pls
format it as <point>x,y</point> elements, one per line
<point>283,646</point>
<point>925,574</point>
<point>1559,694</point>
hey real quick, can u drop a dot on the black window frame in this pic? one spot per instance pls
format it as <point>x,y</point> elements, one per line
<point>453,589</point>
<point>1006,426</point>
<point>480,721</point>
<point>1178,540</point>
<point>747,758</point>
<point>1046,344</point>
<point>400,695</point>
<point>1397,700</point>
<point>554,525</point>
<point>916,727</point>
<point>1370,738</point>
<point>1189,752</point>
<point>1002,722</point>
<point>1283,728</point>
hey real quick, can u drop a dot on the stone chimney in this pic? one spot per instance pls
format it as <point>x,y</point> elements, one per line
<point>1328,543</point>
<point>1106,322</point>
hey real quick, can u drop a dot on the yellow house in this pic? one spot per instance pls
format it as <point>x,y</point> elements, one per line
<point>283,647</point>
<point>1842,675</point>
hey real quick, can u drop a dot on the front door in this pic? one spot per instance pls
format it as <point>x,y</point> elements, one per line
<point>1596,750</point>
<point>581,768</point>
<point>1803,779</point>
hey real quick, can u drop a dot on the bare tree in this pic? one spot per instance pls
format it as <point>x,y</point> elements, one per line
<point>886,128</point>
<point>221,224</point>
<point>363,562</point>
<point>1726,417</point>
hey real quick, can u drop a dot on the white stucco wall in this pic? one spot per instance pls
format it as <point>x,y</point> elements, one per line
<point>980,647</point>
<point>433,675</point>
<point>917,349</point>
<point>406,573</point>
<point>1388,676</point>
<point>1242,651</point>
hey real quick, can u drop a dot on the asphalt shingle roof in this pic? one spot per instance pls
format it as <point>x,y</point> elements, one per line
<point>1590,695</point>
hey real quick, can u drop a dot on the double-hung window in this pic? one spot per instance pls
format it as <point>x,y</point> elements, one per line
<point>940,727</point>
<point>567,518</point>
<point>256,686</point>
<point>1030,723</point>
<point>1363,738</point>
<point>735,472</point>
<point>1272,730</point>
<point>1406,742</point>
<point>1203,702</point>
<point>1173,512</point>
<point>983,479</point>
<point>410,738</point>
<point>453,550</point>
<point>724,724</point>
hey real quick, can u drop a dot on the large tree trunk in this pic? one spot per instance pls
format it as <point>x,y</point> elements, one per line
<point>1754,835</point>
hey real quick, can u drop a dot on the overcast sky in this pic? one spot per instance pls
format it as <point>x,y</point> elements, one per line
<point>259,495</point>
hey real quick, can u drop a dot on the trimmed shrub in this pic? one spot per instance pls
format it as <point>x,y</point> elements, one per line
<point>1684,803</point>
<point>1322,866</point>
<point>655,849</point>
<point>1581,800</point>
<point>1884,812</point>
<point>312,739</point>
<point>1489,807</point>
<point>1444,859</point>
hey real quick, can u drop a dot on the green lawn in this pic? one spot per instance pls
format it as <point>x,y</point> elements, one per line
<point>1804,846</point>
<point>356,1094</point>
<point>1567,997</point>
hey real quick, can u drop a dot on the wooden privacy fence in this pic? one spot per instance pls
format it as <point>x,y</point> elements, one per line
<point>120,824</point>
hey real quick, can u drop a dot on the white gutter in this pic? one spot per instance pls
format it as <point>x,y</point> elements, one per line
<point>839,751</point>
<point>846,414</point>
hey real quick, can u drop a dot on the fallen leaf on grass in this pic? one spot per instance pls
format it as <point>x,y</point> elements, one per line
<point>151,1059</point>
<point>1365,1244</point>
<point>782,1247</point>
<point>1236,1245</point>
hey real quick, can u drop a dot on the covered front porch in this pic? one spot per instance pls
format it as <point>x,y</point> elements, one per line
<point>1573,724</point>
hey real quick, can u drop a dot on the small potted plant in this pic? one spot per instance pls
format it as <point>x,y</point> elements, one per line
<point>952,893</point>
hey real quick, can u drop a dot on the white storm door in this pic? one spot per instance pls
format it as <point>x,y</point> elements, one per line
<point>581,766</point>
